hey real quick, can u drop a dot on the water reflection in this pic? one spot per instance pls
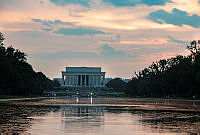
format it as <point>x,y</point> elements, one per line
<point>16,119</point>
<point>177,122</point>
<point>91,100</point>
<point>78,100</point>
<point>85,116</point>
<point>79,111</point>
<point>80,119</point>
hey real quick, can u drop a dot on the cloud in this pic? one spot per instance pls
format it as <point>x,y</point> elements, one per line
<point>176,17</point>
<point>131,3</point>
<point>50,23</point>
<point>66,2</point>
<point>108,40</point>
<point>66,54</point>
<point>155,2</point>
<point>122,3</point>
<point>46,29</point>
<point>77,31</point>
<point>107,53</point>
<point>176,41</point>
<point>42,2</point>
<point>113,39</point>
<point>107,50</point>
<point>33,34</point>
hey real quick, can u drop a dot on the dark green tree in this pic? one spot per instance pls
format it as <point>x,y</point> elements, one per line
<point>174,77</point>
<point>17,77</point>
<point>117,84</point>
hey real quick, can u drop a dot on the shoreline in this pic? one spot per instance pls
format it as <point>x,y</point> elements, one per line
<point>21,99</point>
<point>147,98</point>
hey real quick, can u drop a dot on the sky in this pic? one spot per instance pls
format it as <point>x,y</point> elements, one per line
<point>121,36</point>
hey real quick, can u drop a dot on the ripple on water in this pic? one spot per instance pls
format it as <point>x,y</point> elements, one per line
<point>103,116</point>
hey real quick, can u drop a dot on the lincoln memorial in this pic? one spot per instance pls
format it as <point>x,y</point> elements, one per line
<point>83,77</point>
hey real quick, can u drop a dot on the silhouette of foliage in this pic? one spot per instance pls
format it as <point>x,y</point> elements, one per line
<point>17,77</point>
<point>174,77</point>
<point>117,84</point>
<point>194,47</point>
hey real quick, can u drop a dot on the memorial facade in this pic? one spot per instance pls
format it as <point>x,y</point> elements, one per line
<point>83,77</point>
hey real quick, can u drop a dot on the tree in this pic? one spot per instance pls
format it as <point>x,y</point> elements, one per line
<point>1,39</point>
<point>194,47</point>
<point>174,77</point>
<point>56,83</point>
<point>116,84</point>
<point>17,77</point>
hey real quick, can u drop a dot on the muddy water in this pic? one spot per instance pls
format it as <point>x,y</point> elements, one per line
<point>100,116</point>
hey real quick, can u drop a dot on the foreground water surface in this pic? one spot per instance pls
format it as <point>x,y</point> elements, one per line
<point>100,116</point>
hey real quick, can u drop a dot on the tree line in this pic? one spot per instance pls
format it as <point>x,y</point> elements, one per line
<point>17,76</point>
<point>117,84</point>
<point>174,77</point>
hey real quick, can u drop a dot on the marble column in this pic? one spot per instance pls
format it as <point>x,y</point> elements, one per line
<point>91,81</point>
<point>103,80</point>
<point>95,80</point>
<point>73,80</point>
<point>80,80</point>
<point>69,80</point>
<point>76,81</point>
<point>85,80</point>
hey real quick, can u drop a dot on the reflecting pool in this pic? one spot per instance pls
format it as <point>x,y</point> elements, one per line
<point>100,116</point>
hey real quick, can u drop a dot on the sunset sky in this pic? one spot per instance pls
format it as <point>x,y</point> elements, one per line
<point>121,36</point>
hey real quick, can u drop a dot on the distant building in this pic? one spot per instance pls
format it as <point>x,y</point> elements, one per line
<point>83,77</point>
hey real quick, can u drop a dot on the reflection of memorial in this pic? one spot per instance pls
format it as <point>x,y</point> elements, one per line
<point>71,111</point>
<point>82,118</point>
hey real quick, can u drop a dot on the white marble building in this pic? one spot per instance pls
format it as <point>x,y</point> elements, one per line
<point>83,77</point>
